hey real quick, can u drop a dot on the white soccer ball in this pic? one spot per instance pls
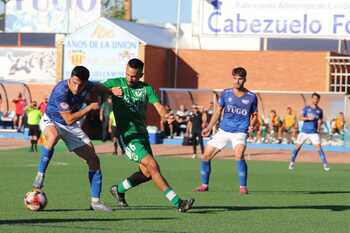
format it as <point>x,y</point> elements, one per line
<point>35,200</point>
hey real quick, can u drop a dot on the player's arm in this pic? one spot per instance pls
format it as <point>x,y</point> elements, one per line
<point>253,121</point>
<point>70,117</point>
<point>101,89</point>
<point>161,110</point>
<point>214,119</point>
<point>303,116</point>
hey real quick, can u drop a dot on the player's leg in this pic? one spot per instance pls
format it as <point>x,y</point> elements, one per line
<point>118,191</point>
<point>139,150</point>
<point>201,143</point>
<point>153,168</point>
<point>242,168</point>
<point>78,142</point>
<point>205,168</point>
<point>51,138</point>
<point>88,153</point>
<point>316,141</point>
<point>213,147</point>
<point>302,137</point>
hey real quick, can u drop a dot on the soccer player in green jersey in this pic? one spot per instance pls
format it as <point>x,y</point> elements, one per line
<point>130,112</point>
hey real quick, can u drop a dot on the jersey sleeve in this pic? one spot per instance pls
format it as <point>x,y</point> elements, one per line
<point>61,101</point>
<point>221,100</point>
<point>304,111</point>
<point>151,95</point>
<point>255,105</point>
<point>321,114</point>
<point>110,83</point>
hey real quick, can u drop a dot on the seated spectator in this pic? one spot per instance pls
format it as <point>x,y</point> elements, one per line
<point>338,125</point>
<point>259,132</point>
<point>275,127</point>
<point>182,119</point>
<point>290,125</point>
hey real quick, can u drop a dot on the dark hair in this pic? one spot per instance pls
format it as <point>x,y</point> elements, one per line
<point>240,71</point>
<point>81,72</point>
<point>316,94</point>
<point>136,64</point>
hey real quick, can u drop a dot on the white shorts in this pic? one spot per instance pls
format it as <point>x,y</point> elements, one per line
<point>313,137</point>
<point>72,135</point>
<point>221,138</point>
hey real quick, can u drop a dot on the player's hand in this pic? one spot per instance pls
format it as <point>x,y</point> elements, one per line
<point>117,91</point>
<point>250,129</point>
<point>205,132</point>
<point>94,106</point>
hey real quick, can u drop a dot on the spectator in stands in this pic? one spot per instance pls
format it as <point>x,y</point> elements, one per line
<point>164,127</point>
<point>182,117</point>
<point>33,119</point>
<point>275,127</point>
<point>20,104</point>
<point>112,129</point>
<point>337,125</point>
<point>42,105</point>
<point>171,124</point>
<point>290,125</point>
<point>259,130</point>
<point>105,110</point>
<point>195,126</point>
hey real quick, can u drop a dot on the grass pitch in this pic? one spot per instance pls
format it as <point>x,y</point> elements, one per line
<point>304,200</point>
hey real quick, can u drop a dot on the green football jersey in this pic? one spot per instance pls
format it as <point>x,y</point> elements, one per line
<point>130,110</point>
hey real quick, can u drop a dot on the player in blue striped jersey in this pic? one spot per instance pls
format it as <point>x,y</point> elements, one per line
<point>239,107</point>
<point>312,117</point>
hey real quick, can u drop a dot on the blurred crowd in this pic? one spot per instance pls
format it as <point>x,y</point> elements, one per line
<point>274,128</point>
<point>184,123</point>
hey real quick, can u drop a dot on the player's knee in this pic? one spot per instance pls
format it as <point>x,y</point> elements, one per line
<point>240,156</point>
<point>93,162</point>
<point>152,167</point>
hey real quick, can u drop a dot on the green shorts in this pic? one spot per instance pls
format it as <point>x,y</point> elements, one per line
<point>137,147</point>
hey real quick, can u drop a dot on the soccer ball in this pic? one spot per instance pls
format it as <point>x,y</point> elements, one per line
<point>35,200</point>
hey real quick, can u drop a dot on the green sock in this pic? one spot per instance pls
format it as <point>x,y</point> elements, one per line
<point>172,197</point>
<point>124,186</point>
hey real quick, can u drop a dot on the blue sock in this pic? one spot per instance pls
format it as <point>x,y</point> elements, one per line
<point>45,157</point>
<point>294,155</point>
<point>205,171</point>
<point>323,157</point>
<point>95,178</point>
<point>242,170</point>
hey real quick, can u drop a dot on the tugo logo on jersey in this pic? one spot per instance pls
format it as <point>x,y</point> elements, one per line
<point>236,110</point>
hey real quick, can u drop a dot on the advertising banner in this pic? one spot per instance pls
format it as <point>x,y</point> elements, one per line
<point>102,47</point>
<point>51,16</point>
<point>276,18</point>
<point>29,65</point>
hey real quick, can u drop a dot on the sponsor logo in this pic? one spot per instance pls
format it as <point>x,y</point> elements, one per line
<point>245,101</point>
<point>236,110</point>
<point>64,106</point>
